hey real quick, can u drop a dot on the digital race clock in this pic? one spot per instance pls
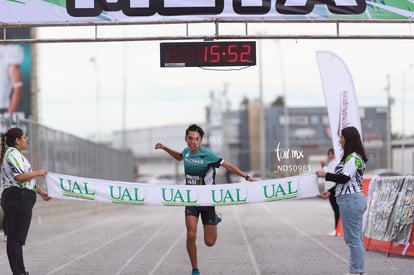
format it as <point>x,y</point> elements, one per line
<point>207,54</point>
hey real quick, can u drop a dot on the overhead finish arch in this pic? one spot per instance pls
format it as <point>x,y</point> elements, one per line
<point>98,14</point>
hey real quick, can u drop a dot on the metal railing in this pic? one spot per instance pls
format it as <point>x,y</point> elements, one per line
<point>64,153</point>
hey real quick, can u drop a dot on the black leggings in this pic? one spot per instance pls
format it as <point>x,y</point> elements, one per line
<point>335,208</point>
<point>4,224</point>
<point>17,204</point>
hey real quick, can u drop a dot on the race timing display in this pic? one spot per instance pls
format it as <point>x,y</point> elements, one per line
<point>208,54</point>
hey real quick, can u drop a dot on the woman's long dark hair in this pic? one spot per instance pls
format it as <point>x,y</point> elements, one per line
<point>13,134</point>
<point>3,147</point>
<point>353,143</point>
<point>9,139</point>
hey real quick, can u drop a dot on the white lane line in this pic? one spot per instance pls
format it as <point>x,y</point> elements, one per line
<point>307,235</point>
<point>140,249</point>
<point>55,238</point>
<point>246,241</point>
<point>166,254</point>
<point>96,248</point>
<point>64,235</point>
<point>90,252</point>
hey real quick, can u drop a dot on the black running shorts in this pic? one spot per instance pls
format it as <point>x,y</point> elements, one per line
<point>208,213</point>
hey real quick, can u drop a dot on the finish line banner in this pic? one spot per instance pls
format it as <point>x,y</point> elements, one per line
<point>68,187</point>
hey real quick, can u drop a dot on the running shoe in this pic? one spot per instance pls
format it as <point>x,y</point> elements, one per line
<point>195,272</point>
<point>332,233</point>
<point>218,218</point>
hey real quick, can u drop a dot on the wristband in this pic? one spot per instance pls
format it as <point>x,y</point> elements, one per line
<point>17,84</point>
<point>247,177</point>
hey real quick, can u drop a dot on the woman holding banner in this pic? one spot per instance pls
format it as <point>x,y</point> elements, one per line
<point>199,166</point>
<point>19,195</point>
<point>351,201</point>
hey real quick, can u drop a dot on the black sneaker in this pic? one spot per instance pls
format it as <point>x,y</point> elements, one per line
<point>195,272</point>
<point>218,218</point>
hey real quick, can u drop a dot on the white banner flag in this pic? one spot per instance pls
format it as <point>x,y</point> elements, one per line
<point>340,97</point>
<point>86,189</point>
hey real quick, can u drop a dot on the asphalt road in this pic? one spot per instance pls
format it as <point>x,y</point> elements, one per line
<point>289,237</point>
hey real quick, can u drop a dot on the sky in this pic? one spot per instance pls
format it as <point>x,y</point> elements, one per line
<point>85,88</point>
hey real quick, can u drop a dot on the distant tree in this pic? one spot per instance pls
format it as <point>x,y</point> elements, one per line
<point>208,110</point>
<point>279,101</point>
<point>245,102</point>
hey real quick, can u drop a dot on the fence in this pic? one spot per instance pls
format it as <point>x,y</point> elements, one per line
<point>63,153</point>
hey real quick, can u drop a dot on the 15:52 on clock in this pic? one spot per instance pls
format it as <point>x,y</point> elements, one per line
<point>208,53</point>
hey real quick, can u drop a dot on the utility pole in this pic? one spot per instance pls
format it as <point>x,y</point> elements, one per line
<point>389,148</point>
<point>403,119</point>
<point>94,61</point>
<point>225,125</point>
<point>124,96</point>
<point>262,117</point>
<point>285,106</point>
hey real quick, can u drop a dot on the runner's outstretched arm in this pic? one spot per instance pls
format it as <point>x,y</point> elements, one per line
<point>235,170</point>
<point>170,151</point>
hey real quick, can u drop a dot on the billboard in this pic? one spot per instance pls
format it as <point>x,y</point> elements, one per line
<point>101,11</point>
<point>15,77</point>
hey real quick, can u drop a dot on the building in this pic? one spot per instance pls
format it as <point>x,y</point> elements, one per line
<point>235,135</point>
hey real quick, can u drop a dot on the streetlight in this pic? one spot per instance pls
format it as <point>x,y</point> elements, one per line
<point>403,117</point>
<point>124,95</point>
<point>94,62</point>
<point>285,107</point>
<point>389,102</point>
<point>262,117</point>
<point>225,124</point>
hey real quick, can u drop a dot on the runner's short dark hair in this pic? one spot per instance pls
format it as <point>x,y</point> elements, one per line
<point>195,128</point>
